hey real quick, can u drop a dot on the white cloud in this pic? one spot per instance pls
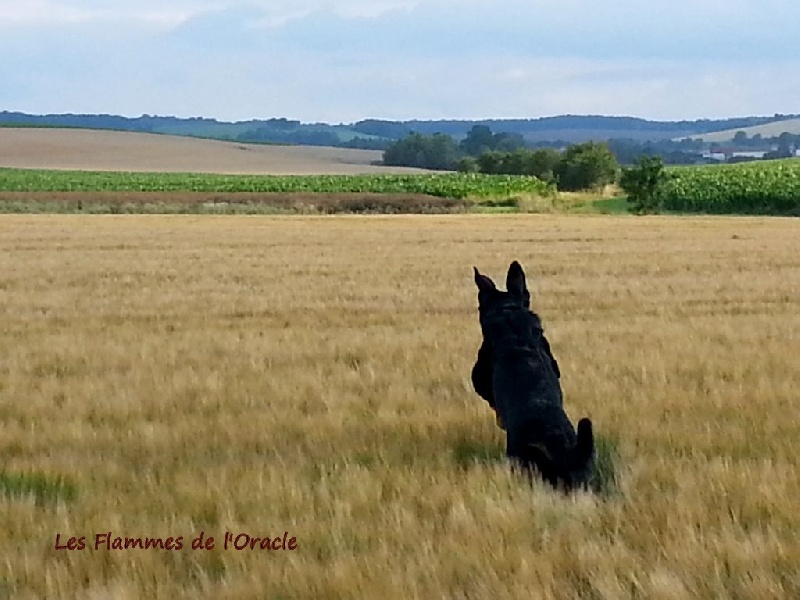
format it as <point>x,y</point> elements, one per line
<point>33,13</point>
<point>341,61</point>
<point>175,11</point>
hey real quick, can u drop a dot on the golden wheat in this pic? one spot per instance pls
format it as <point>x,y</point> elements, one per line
<point>163,376</point>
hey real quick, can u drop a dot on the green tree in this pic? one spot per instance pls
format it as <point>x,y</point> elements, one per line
<point>468,164</point>
<point>438,151</point>
<point>642,182</point>
<point>479,140</point>
<point>442,152</point>
<point>586,166</point>
<point>490,162</point>
<point>508,142</point>
<point>542,163</point>
<point>785,145</point>
<point>538,163</point>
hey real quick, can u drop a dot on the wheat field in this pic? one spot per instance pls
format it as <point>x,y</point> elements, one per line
<point>103,150</point>
<point>308,378</point>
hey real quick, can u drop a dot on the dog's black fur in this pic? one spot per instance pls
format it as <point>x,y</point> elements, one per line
<point>518,376</point>
<point>482,370</point>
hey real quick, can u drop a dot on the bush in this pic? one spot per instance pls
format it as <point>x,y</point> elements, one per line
<point>467,165</point>
<point>535,163</point>
<point>586,166</point>
<point>642,183</point>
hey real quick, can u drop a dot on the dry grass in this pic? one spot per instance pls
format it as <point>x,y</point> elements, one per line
<point>163,376</point>
<point>93,150</point>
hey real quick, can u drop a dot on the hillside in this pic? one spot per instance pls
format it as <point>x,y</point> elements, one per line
<point>81,149</point>
<point>580,128</point>
<point>767,130</point>
<point>376,133</point>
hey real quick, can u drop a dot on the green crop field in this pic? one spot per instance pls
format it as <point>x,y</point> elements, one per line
<point>447,185</point>
<point>762,187</point>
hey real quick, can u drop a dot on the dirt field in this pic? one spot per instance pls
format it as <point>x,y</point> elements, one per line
<point>227,203</point>
<point>79,149</point>
<point>167,376</point>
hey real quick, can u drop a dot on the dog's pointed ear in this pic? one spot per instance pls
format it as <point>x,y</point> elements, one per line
<point>483,282</point>
<point>516,285</point>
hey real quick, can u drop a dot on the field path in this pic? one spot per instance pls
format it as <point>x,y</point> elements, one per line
<point>95,150</point>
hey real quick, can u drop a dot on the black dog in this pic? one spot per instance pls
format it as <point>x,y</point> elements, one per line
<point>482,370</point>
<point>517,374</point>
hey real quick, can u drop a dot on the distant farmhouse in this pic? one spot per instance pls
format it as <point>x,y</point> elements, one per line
<point>734,154</point>
<point>726,154</point>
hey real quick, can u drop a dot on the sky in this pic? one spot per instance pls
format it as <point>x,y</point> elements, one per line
<point>340,62</point>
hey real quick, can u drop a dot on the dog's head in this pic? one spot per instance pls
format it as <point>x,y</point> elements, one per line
<point>491,299</point>
<point>506,317</point>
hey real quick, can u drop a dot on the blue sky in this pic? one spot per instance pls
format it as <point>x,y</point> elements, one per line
<point>395,59</point>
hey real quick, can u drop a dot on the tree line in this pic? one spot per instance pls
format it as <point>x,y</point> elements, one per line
<point>587,164</point>
<point>580,166</point>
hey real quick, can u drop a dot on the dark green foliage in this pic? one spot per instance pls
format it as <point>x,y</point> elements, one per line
<point>480,140</point>
<point>467,165</point>
<point>586,166</point>
<point>438,152</point>
<point>490,162</point>
<point>580,167</point>
<point>539,163</point>
<point>642,183</point>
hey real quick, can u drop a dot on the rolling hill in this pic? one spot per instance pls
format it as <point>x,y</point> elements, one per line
<point>766,130</point>
<point>102,150</point>
<point>376,134</point>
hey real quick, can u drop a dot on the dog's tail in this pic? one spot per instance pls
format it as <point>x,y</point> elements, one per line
<point>584,448</point>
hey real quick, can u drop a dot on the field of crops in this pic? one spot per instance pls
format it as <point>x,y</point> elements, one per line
<point>763,187</point>
<point>447,185</point>
<point>163,377</point>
